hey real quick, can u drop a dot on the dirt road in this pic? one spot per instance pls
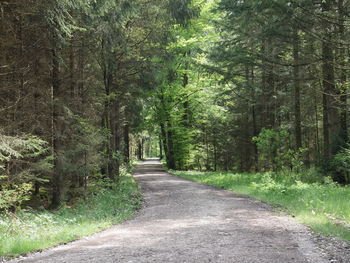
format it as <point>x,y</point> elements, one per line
<point>183,221</point>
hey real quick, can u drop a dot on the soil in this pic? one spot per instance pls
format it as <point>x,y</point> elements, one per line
<point>184,221</point>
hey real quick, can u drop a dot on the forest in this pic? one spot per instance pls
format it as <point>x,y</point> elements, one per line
<point>89,86</point>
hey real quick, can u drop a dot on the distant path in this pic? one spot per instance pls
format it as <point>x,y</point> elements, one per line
<point>184,221</point>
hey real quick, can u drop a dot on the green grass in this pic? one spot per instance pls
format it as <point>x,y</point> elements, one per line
<point>31,230</point>
<point>325,207</point>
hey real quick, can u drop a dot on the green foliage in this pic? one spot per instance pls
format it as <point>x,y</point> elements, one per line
<point>178,82</point>
<point>82,157</point>
<point>22,163</point>
<point>275,151</point>
<point>182,11</point>
<point>30,230</point>
<point>14,195</point>
<point>340,165</point>
<point>25,146</point>
<point>322,206</point>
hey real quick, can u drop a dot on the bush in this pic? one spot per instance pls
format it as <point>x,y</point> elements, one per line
<point>340,166</point>
<point>275,152</point>
<point>22,161</point>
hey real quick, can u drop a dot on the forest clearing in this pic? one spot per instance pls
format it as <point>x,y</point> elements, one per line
<point>249,96</point>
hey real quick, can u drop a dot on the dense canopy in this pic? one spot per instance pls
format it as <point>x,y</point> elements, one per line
<point>88,86</point>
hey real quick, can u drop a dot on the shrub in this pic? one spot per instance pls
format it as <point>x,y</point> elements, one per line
<point>340,166</point>
<point>22,161</point>
<point>275,153</point>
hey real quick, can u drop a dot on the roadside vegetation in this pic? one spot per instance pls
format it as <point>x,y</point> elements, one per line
<point>312,199</point>
<point>30,230</point>
<point>86,86</point>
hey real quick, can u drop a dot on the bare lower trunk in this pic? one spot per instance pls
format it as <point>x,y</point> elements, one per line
<point>126,143</point>
<point>330,118</point>
<point>171,154</point>
<point>296,75</point>
<point>56,128</point>
<point>343,134</point>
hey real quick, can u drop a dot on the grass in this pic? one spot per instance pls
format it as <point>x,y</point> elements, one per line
<point>31,230</point>
<point>325,207</point>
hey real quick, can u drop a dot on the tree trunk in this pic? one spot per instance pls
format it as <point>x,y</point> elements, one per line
<point>71,69</point>
<point>139,150</point>
<point>343,76</point>
<point>117,139</point>
<point>186,116</point>
<point>215,159</point>
<point>296,75</point>
<point>268,85</point>
<point>160,148</point>
<point>255,131</point>
<point>126,143</point>
<point>330,118</point>
<point>111,166</point>
<point>164,141</point>
<point>21,74</point>
<point>56,127</point>
<point>170,139</point>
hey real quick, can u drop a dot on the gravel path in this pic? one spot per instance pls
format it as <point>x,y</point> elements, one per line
<point>184,221</point>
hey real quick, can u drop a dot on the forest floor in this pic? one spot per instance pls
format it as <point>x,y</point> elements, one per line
<point>185,221</point>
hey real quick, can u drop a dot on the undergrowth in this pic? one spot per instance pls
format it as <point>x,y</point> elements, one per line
<point>324,206</point>
<point>31,230</point>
